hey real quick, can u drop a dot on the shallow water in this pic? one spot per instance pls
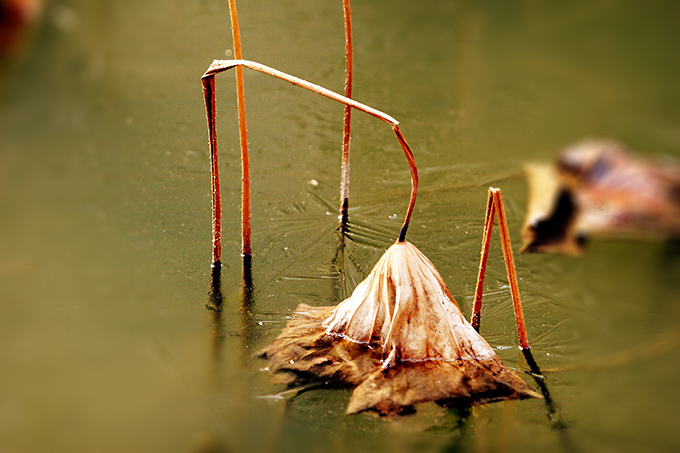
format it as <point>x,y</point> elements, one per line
<point>105,219</point>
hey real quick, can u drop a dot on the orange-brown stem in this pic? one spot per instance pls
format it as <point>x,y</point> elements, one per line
<point>243,133</point>
<point>209,97</point>
<point>510,268</point>
<point>218,66</point>
<point>414,181</point>
<point>486,242</point>
<point>494,207</point>
<point>344,177</point>
<point>223,65</point>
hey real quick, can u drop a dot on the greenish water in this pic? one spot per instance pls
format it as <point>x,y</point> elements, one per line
<point>105,342</point>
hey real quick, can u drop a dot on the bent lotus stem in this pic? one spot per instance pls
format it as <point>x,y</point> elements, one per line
<point>218,66</point>
<point>344,177</point>
<point>495,207</point>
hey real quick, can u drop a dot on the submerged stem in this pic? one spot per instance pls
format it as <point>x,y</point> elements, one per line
<point>218,66</point>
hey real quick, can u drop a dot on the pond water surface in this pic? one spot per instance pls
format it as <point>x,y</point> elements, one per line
<point>105,341</point>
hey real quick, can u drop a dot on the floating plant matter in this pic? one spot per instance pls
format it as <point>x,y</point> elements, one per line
<point>400,338</point>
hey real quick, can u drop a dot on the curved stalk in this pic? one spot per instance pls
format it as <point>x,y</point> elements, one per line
<point>218,66</point>
<point>414,181</point>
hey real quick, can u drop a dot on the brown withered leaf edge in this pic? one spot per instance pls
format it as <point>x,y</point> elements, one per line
<point>305,353</point>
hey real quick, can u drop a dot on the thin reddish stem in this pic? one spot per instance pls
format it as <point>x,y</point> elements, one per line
<point>486,242</point>
<point>209,96</point>
<point>243,133</point>
<point>222,65</point>
<point>414,181</point>
<point>218,66</point>
<point>510,268</point>
<point>349,51</point>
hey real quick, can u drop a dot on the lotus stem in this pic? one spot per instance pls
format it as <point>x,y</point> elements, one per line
<point>414,181</point>
<point>486,242</point>
<point>218,66</point>
<point>209,96</point>
<point>243,133</point>
<point>494,207</point>
<point>344,178</point>
<point>510,268</point>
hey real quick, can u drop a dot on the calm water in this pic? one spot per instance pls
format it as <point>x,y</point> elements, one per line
<point>105,343</point>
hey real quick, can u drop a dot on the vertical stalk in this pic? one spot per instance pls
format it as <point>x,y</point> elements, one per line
<point>243,133</point>
<point>344,178</point>
<point>486,242</point>
<point>510,268</point>
<point>209,97</point>
<point>218,66</point>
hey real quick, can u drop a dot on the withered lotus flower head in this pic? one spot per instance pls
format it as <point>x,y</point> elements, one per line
<point>432,352</point>
<point>401,338</point>
<point>405,306</point>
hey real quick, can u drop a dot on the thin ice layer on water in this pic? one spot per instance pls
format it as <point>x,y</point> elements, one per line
<point>405,306</point>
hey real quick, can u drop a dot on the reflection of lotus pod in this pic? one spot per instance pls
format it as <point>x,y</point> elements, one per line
<point>405,306</point>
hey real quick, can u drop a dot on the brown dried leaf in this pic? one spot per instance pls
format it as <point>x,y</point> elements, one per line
<point>403,310</point>
<point>463,382</point>
<point>303,352</point>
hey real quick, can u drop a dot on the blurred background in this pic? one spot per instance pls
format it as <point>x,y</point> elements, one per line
<point>105,341</point>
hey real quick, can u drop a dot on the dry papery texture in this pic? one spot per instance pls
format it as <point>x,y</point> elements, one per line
<point>400,339</point>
